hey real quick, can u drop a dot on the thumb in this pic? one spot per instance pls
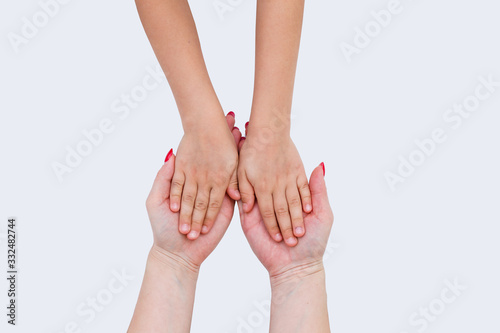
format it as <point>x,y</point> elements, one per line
<point>319,194</point>
<point>161,185</point>
<point>247,193</point>
<point>232,189</point>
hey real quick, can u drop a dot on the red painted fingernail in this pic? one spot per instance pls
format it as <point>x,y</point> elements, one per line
<point>324,171</point>
<point>242,138</point>
<point>236,128</point>
<point>231,113</point>
<point>170,153</point>
<point>246,125</point>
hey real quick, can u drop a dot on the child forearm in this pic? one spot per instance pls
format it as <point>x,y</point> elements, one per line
<point>279,25</point>
<point>172,33</point>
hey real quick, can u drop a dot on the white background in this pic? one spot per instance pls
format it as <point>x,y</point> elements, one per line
<point>392,250</point>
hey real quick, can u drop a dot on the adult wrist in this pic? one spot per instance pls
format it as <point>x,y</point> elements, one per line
<point>297,274</point>
<point>173,264</point>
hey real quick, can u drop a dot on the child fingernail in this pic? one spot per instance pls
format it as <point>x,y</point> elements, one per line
<point>323,165</point>
<point>291,241</point>
<point>170,153</point>
<point>193,234</point>
<point>204,229</point>
<point>278,237</point>
<point>309,207</point>
<point>299,230</point>
<point>185,228</point>
<point>231,113</point>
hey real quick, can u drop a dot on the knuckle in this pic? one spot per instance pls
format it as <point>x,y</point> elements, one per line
<point>188,197</point>
<point>220,181</point>
<point>215,204</point>
<point>304,187</point>
<point>201,205</point>
<point>268,214</point>
<point>294,202</point>
<point>177,184</point>
<point>282,212</point>
<point>197,223</point>
<point>262,187</point>
<point>296,220</point>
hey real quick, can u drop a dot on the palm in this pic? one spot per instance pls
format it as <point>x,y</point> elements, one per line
<point>279,256</point>
<point>167,236</point>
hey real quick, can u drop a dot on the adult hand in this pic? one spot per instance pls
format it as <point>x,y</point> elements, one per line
<point>167,239</point>
<point>279,258</point>
<point>299,302</point>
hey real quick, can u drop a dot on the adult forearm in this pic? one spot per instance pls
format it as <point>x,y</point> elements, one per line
<point>172,33</point>
<point>299,302</point>
<point>279,25</point>
<point>166,298</point>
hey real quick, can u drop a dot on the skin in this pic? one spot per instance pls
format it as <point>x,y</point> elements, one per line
<point>297,274</point>
<point>207,159</point>
<point>166,298</point>
<point>270,168</point>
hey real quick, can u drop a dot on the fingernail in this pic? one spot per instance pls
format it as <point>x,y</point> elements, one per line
<point>308,206</point>
<point>299,230</point>
<point>175,206</point>
<point>204,229</point>
<point>278,237</point>
<point>170,153</point>
<point>193,234</point>
<point>291,241</point>
<point>242,138</point>
<point>246,124</point>
<point>231,113</point>
<point>185,228</point>
<point>323,165</point>
<point>236,128</point>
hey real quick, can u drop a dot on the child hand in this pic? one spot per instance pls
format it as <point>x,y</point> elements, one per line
<point>205,168</point>
<point>273,172</point>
